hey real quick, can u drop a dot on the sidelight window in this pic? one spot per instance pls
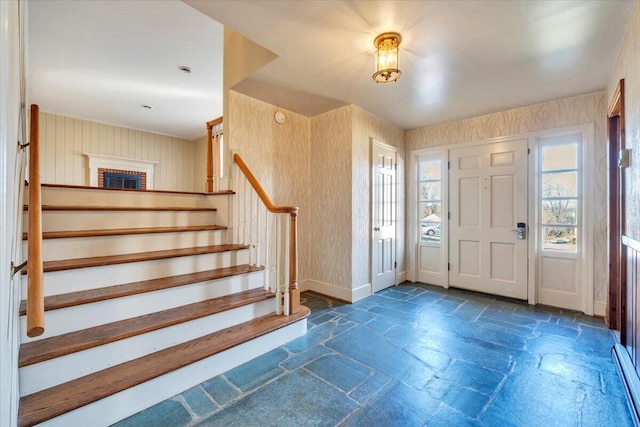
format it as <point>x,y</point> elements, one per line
<point>430,200</point>
<point>559,190</point>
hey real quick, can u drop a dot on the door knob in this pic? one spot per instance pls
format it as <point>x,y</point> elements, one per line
<point>376,228</point>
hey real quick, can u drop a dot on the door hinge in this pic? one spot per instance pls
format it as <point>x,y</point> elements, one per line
<point>395,264</point>
<point>395,166</point>
<point>449,215</point>
<point>448,266</point>
<point>528,150</point>
<point>448,165</point>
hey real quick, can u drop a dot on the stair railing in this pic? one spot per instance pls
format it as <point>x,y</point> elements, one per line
<point>35,281</point>
<point>271,232</point>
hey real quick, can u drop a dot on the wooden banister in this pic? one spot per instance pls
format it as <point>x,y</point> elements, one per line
<point>35,285</point>
<point>258,188</point>
<point>294,292</point>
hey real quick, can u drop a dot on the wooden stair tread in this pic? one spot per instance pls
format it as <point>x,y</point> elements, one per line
<point>124,231</point>
<point>55,401</point>
<point>120,208</point>
<point>72,299</point>
<point>68,264</point>
<point>72,342</point>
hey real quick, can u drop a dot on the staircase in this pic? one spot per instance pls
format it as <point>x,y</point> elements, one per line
<point>145,297</point>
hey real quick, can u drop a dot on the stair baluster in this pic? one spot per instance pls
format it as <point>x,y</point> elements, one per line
<point>283,267</point>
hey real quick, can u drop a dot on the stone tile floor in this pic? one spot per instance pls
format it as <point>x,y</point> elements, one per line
<point>417,355</point>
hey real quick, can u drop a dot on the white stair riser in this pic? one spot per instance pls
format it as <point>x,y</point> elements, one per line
<point>128,402</point>
<point>79,279</point>
<point>56,371</point>
<point>96,220</point>
<point>85,316</point>
<point>92,197</point>
<point>95,246</point>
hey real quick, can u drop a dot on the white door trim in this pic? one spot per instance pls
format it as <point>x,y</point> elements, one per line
<point>587,130</point>
<point>374,142</point>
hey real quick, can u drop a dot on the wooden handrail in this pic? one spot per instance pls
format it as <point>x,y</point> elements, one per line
<point>35,285</point>
<point>261,193</point>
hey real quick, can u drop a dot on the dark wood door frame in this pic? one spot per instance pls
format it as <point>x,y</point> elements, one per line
<point>616,313</point>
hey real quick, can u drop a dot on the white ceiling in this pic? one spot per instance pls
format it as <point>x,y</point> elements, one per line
<point>101,60</point>
<point>458,59</point>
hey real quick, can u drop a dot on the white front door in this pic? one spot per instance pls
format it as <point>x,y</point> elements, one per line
<point>383,219</point>
<point>488,197</point>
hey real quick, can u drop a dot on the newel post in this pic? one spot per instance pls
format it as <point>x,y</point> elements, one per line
<point>209,183</point>
<point>294,292</point>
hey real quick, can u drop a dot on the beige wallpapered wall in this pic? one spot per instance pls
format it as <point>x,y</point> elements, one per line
<point>277,154</point>
<point>366,126</point>
<point>200,163</point>
<point>65,140</point>
<point>330,198</point>
<point>589,108</point>
<point>627,67</point>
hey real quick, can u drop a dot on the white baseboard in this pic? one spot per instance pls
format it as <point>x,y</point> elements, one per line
<point>344,294</point>
<point>402,277</point>
<point>599,309</point>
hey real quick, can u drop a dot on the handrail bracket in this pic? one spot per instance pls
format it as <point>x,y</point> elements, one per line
<point>17,268</point>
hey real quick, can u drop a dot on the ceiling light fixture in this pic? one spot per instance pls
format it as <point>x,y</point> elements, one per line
<point>387,57</point>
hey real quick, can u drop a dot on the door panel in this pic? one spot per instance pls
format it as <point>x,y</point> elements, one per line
<point>488,197</point>
<point>384,217</point>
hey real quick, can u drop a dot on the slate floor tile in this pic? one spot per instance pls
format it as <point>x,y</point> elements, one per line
<point>258,371</point>
<point>198,401</point>
<point>220,389</point>
<point>466,401</point>
<point>381,324</point>
<point>547,328</point>
<point>449,417</point>
<point>473,376</point>
<point>169,412</point>
<point>599,409</point>
<point>556,364</point>
<point>296,399</point>
<point>541,399</point>
<point>426,298</point>
<point>397,405</point>
<point>324,317</point>
<point>370,387</point>
<point>340,371</point>
<point>357,344</point>
<point>493,334</point>
<point>360,316</point>
<point>301,359</point>
<point>313,337</point>
<point>435,359</point>
<point>342,326</point>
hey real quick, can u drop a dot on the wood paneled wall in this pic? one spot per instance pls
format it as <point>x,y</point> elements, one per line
<point>65,140</point>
